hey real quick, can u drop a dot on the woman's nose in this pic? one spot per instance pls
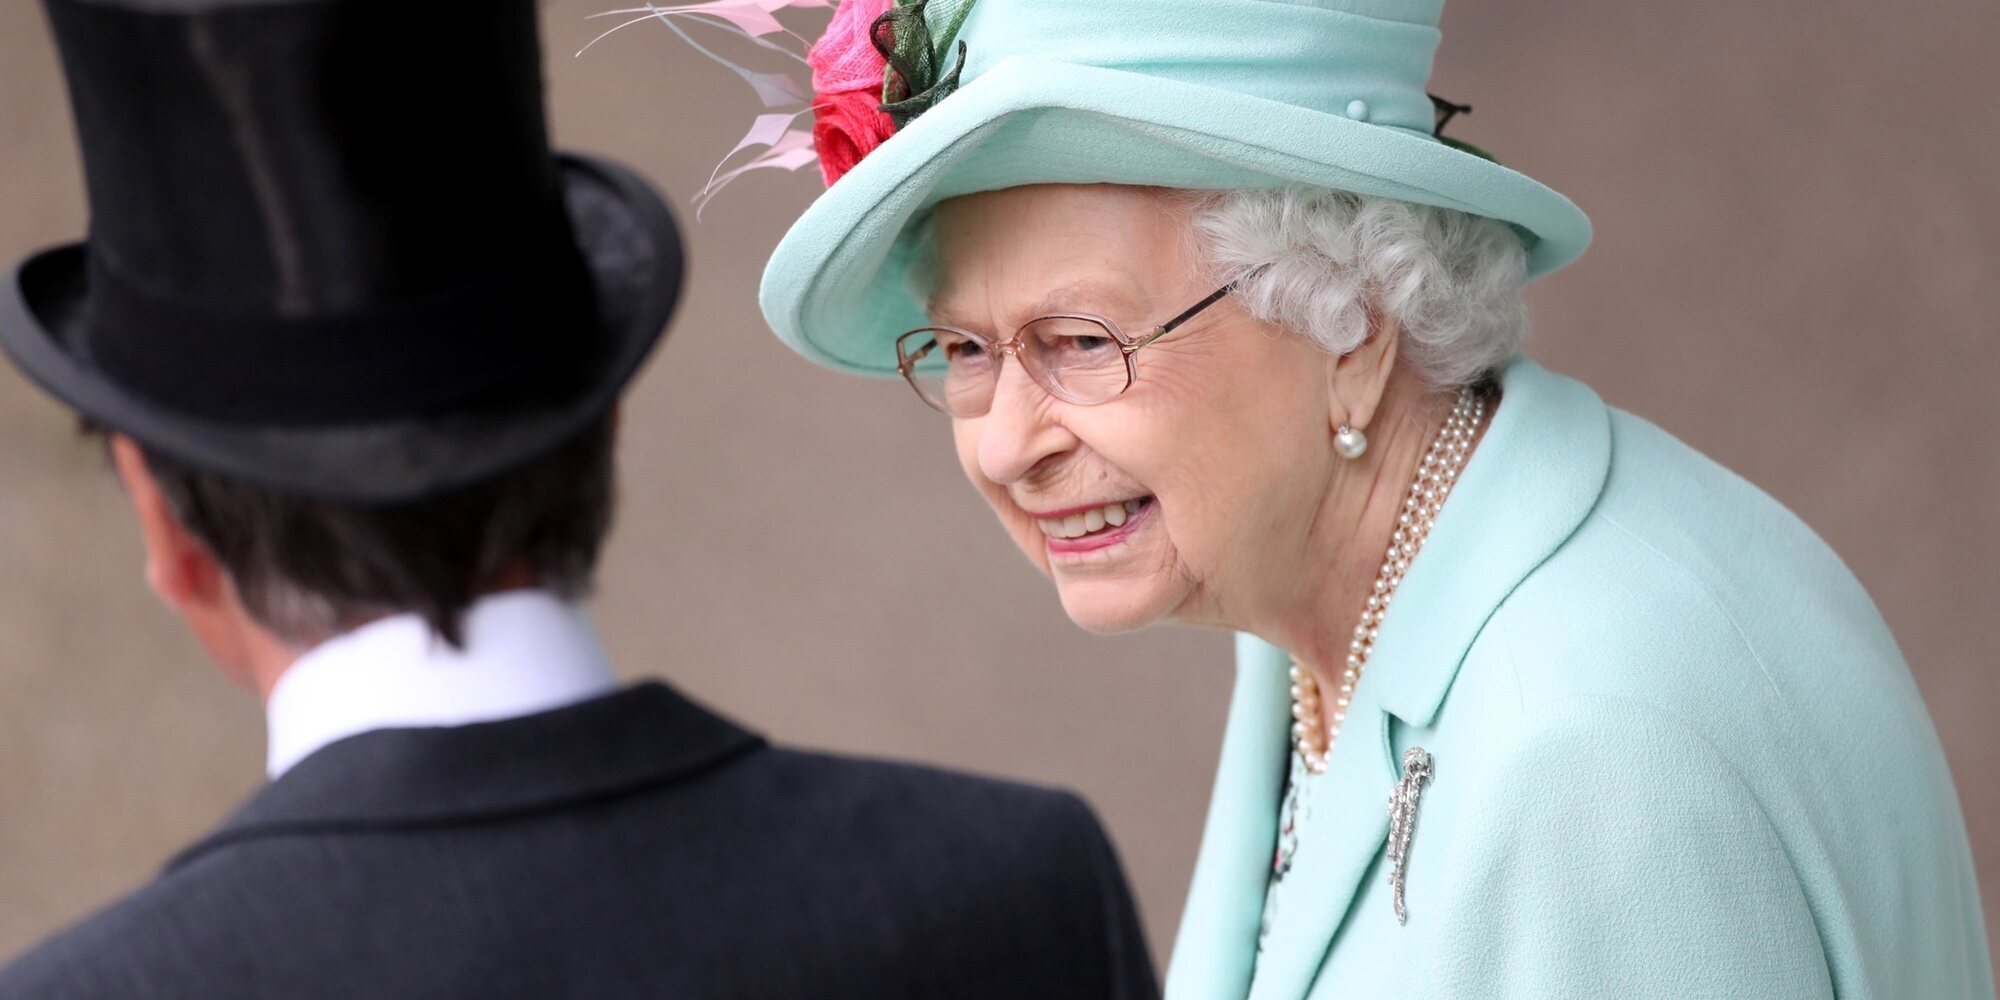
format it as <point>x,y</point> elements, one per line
<point>1020,432</point>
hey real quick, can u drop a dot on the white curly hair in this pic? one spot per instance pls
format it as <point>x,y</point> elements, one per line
<point>1452,279</point>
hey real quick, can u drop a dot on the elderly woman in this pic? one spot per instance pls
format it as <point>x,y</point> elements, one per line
<point>1533,700</point>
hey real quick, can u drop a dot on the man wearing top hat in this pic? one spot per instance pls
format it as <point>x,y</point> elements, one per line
<point>357,338</point>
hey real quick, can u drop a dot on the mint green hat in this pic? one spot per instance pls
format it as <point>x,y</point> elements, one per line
<point>1198,94</point>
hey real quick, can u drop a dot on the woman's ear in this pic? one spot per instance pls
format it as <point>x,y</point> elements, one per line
<point>179,569</point>
<point>1361,376</point>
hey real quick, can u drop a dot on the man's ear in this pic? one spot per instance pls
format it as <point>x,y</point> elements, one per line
<point>1360,377</point>
<point>179,568</point>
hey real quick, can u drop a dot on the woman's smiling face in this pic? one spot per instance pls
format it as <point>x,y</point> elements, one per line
<point>1196,489</point>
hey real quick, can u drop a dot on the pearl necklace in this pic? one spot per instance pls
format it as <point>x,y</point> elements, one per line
<point>1435,477</point>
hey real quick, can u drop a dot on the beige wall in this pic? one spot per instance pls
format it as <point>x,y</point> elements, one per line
<point>1795,205</point>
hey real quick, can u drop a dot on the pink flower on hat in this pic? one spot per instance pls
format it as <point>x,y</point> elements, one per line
<point>879,65</point>
<point>847,75</point>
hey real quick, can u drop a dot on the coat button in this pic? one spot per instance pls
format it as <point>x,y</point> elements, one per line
<point>1357,110</point>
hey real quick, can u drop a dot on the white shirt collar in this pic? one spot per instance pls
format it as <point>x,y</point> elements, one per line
<point>526,651</point>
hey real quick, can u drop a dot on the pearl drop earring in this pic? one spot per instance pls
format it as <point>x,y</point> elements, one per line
<point>1349,442</point>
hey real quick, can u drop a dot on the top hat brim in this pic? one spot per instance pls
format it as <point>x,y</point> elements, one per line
<point>630,247</point>
<point>835,289</point>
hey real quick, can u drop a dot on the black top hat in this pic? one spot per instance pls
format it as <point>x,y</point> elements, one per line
<point>330,249</point>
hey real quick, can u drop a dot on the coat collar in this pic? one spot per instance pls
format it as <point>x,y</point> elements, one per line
<point>645,734</point>
<point>1535,476</point>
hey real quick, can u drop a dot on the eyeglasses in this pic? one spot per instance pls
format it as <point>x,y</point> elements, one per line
<point>1076,357</point>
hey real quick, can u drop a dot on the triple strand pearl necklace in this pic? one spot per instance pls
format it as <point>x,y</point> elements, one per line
<point>1435,477</point>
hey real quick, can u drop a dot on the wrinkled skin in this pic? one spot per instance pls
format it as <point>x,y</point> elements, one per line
<point>1255,522</point>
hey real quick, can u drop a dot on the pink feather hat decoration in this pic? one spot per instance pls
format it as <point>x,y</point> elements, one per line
<point>875,67</point>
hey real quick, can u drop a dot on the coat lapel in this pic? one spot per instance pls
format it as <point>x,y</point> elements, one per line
<point>1348,827</point>
<point>1216,949</point>
<point>1535,476</point>
<point>1533,479</point>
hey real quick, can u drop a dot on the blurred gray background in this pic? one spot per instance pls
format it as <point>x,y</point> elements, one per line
<point>1798,226</point>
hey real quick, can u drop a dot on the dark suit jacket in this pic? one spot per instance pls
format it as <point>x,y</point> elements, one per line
<point>632,846</point>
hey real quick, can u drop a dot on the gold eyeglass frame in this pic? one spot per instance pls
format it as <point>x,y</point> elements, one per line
<point>907,360</point>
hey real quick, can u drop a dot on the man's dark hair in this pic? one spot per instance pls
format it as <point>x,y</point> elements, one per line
<point>308,569</point>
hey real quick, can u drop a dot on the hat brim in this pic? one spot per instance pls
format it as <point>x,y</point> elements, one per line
<point>835,290</point>
<point>632,250</point>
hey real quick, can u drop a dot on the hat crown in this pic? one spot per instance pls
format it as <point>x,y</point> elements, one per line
<point>332,252</point>
<point>305,157</point>
<point>1365,59</point>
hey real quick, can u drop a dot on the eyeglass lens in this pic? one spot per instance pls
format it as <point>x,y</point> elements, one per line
<point>1075,358</point>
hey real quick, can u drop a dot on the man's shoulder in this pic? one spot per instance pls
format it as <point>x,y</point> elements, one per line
<point>1007,875</point>
<point>843,862</point>
<point>925,788</point>
<point>881,803</point>
<point>148,945</point>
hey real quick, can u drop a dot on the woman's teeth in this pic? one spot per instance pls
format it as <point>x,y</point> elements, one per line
<point>1110,515</point>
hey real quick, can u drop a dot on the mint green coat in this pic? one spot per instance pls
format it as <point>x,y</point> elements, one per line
<point>1677,754</point>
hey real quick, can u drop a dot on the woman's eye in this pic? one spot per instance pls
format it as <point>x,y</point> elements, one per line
<point>963,355</point>
<point>1082,348</point>
<point>1068,342</point>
